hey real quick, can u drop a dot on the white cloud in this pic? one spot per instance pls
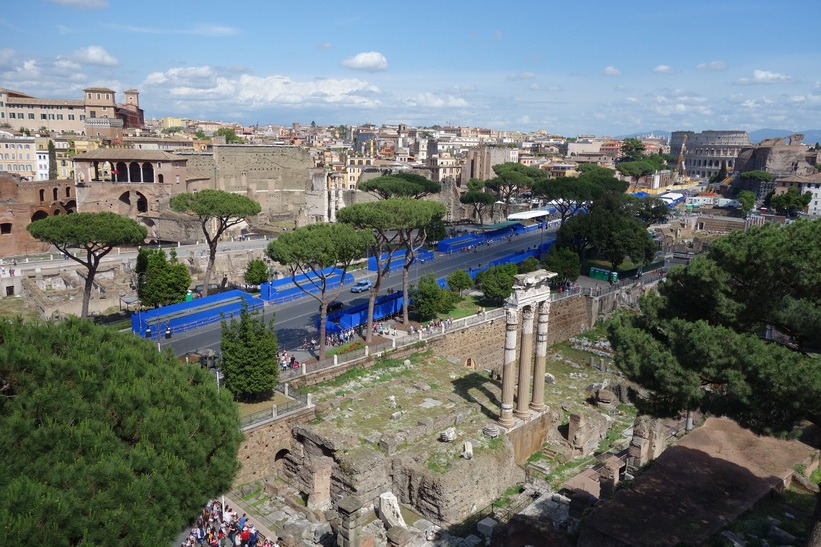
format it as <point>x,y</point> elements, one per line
<point>82,4</point>
<point>712,65</point>
<point>370,61</point>
<point>664,69</point>
<point>764,77</point>
<point>326,45</point>
<point>611,71</point>
<point>521,76</point>
<point>429,100</point>
<point>203,83</point>
<point>94,55</point>
<point>205,29</point>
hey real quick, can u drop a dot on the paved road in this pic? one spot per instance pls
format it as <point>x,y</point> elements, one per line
<point>295,320</point>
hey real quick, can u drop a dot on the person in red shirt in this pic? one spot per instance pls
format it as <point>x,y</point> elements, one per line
<point>245,537</point>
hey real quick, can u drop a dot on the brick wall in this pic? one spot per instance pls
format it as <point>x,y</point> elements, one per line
<point>257,453</point>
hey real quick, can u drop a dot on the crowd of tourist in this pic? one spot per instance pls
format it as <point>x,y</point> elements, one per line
<point>215,528</point>
<point>286,360</point>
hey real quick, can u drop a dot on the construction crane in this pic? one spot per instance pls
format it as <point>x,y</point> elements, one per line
<point>681,169</point>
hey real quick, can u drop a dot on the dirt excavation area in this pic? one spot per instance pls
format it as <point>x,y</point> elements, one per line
<point>696,487</point>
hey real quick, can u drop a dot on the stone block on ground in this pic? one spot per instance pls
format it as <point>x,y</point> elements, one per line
<point>423,525</point>
<point>322,532</point>
<point>549,379</point>
<point>448,435</point>
<point>472,541</point>
<point>486,526</point>
<point>389,512</point>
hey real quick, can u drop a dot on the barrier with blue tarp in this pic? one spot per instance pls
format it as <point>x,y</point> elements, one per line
<point>192,314</point>
<point>398,259</point>
<point>458,243</point>
<point>286,289</point>
<point>358,315</point>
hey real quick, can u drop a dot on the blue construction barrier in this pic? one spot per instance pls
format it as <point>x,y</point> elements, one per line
<point>358,315</point>
<point>285,290</point>
<point>398,259</point>
<point>169,320</point>
<point>458,243</point>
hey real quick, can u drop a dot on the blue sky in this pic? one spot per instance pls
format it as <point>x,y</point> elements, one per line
<point>607,68</point>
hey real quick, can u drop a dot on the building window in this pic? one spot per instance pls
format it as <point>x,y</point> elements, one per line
<point>5,228</point>
<point>51,116</point>
<point>71,117</point>
<point>59,116</point>
<point>98,95</point>
<point>43,116</point>
<point>82,117</point>
<point>31,115</point>
<point>11,115</point>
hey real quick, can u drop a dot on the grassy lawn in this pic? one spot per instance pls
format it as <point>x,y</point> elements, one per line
<point>276,398</point>
<point>605,264</point>
<point>466,307</point>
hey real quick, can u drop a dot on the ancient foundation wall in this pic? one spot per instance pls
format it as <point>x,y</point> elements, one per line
<point>527,439</point>
<point>258,451</point>
<point>448,498</point>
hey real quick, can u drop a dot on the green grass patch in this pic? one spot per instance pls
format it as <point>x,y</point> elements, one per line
<point>816,476</point>
<point>255,493</point>
<point>496,444</point>
<point>438,462</point>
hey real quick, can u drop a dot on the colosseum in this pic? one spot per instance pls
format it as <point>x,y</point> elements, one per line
<point>706,151</point>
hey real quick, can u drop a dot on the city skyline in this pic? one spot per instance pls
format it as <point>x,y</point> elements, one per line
<point>605,69</point>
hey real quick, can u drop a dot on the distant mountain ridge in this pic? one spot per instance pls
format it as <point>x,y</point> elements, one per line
<point>811,136</point>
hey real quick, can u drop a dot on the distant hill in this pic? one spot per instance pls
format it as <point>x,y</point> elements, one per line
<point>811,136</point>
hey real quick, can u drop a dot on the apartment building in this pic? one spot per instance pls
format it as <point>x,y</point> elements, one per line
<point>18,155</point>
<point>480,161</point>
<point>96,114</point>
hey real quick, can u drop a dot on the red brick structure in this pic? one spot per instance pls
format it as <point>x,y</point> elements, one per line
<point>25,201</point>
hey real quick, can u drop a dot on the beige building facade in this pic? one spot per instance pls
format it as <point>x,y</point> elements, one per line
<point>95,114</point>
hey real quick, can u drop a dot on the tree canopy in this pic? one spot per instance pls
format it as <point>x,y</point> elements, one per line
<point>249,354</point>
<point>256,273</point>
<point>496,283</point>
<point>728,332</point>
<point>392,221</point>
<point>161,282</point>
<point>229,134</point>
<point>428,299</point>
<point>632,150</point>
<point>746,200</point>
<point>105,440</point>
<point>95,233</point>
<point>311,250</point>
<point>564,262</point>
<point>756,176</point>
<point>791,201</point>
<point>409,185</point>
<point>512,178</point>
<point>636,169</point>
<point>480,201</point>
<point>217,211</point>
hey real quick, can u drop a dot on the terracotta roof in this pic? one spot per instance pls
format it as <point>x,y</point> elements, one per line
<point>33,101</point>
<point>107,154</point>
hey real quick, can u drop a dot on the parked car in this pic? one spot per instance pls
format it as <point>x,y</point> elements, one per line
<point>362,286</point>
<point>334,306</point>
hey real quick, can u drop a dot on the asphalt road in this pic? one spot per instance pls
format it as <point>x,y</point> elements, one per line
<point>296,320</point>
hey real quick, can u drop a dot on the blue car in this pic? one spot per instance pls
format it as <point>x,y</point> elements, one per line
<point>362,286</point>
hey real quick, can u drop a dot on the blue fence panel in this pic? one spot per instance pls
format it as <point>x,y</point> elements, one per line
<point>458,243</point>
<point>398,259</point>
<point>352,318</point>
<point>284,290</point>
<point>188,315</point>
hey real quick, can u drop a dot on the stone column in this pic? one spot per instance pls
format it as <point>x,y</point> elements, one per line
<point>349,522</point>
<point>525,364</point>
<point>541,355</point>
<point>511,325</point>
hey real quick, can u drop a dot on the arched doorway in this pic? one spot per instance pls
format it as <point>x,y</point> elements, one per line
<point>134,172</point>
<point>38,215</point>
<point>142,203</point>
